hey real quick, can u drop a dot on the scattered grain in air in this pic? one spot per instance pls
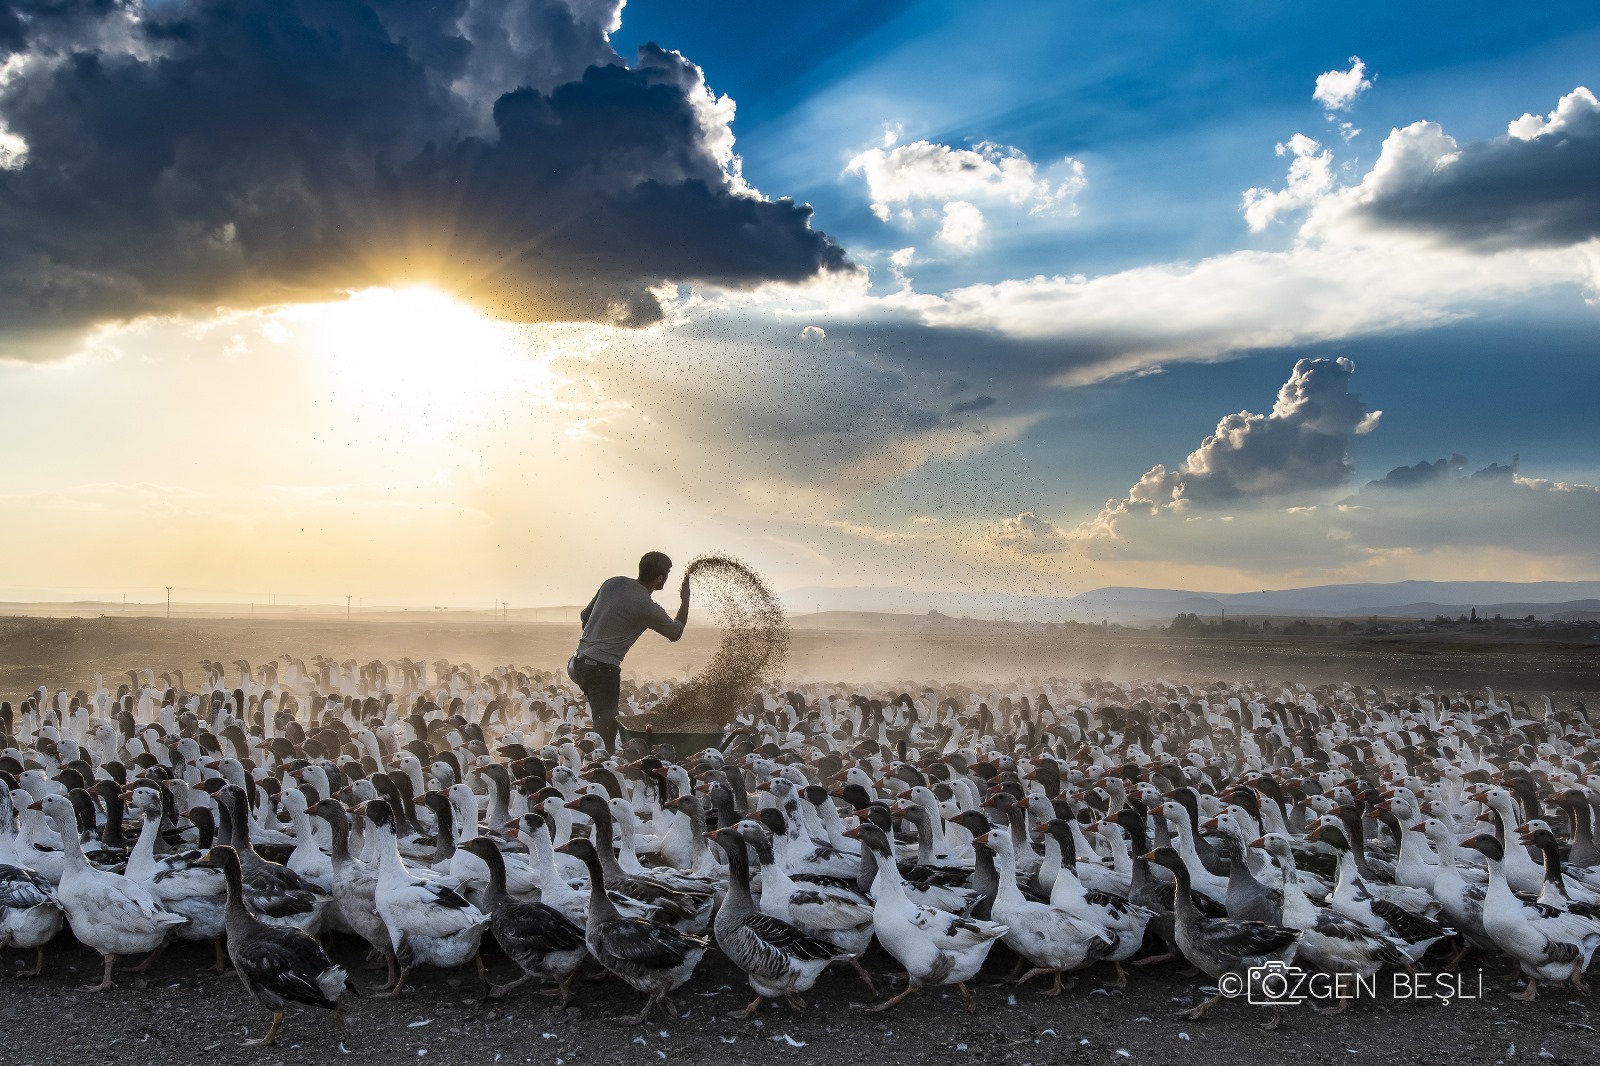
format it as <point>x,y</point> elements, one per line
<point>754,647</point>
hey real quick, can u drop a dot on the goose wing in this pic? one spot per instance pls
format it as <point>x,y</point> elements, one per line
<point>954,929</point>
<point>286,962</point>
<point>1245,939</point>
<point>540,925</point>
<point>821,909</point>
<point>636,940</point>
<point>1117,906</point>
<point>1409,924</point>
<point>22,889</point>
<point>783,937</point>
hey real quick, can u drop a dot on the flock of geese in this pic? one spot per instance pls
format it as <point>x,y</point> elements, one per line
<point>1086,825</point>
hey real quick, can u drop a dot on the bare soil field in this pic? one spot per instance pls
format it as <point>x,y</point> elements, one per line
<point>66,652</point>
<point>184,1017</point>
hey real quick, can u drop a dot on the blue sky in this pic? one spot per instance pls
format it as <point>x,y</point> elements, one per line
<point>1050,248</point>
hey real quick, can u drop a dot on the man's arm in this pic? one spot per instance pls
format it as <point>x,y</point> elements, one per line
<point>584,616</point>
<point>682,616</point>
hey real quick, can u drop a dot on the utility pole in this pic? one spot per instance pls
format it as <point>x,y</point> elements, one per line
<point>347,600</point>
<point>169,602</point>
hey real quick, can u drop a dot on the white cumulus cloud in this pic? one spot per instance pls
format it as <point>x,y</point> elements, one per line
<point>1337,89</point>
<point>1029,533</point>
<point>1299,446</point>
<point>963,225</point>
<point>924,172</point>
<point>1310,179</point>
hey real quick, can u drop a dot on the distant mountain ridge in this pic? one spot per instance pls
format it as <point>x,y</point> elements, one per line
<point>1398,599</point>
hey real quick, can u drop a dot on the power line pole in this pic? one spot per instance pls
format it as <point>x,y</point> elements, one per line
<point>347,600</point>
<point>169,602</point>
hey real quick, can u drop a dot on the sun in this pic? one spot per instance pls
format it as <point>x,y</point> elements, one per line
<point>412,348</point>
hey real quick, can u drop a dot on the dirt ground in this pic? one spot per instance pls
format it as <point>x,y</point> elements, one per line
<point>184,1017</point>
<point>66,653</point>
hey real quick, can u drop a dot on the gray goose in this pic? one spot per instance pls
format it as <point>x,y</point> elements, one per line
<point>537,937</point>
<point>277,966</point>
<point>777,959</point>
<point>655,959</point>
<point>1220,946</point>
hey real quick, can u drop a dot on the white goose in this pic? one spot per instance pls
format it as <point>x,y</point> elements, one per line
<point>1549,945</point>
<point>198,893</point>
<point>108,912</point>
<point>936,947</point>
<point>1053,939</point>
<point>429,923</point>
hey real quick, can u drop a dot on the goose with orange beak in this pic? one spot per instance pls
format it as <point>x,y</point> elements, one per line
<point>935,947</point>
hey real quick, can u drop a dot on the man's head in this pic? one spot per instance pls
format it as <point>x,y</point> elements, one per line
<point>653,570</point>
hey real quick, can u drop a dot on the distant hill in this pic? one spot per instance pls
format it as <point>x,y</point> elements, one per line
<point>855,607</point>
<point>1399,599</point>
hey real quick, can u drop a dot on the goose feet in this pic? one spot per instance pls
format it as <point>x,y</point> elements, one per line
<point>144,964</point>
<point>1344,1005</point>
<point>1196,1013</point>
<point>396,990</point>
<point>1054,990</point>
<point>272,1033</point>
<point>894,1001</point>
<point>855,964</point>
<point>969,998</point>
<point>1277,1019</point>
<point>666,1007</point>
<point>563,991</point>
<point>105,984</point>
<point>1153,959</point>
<point>748,1012</point>
<point>38,964</point>
<point>1527,995</point>
<point>494,991</point>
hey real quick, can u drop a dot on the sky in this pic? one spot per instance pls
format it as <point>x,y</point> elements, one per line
<point>471,301</point>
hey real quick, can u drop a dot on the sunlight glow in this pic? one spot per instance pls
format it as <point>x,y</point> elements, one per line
<point>415,348</point>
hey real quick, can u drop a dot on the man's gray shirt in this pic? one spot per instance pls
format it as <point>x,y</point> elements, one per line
<point>618,615</point>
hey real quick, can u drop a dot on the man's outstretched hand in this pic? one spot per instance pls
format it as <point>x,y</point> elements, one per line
<point>683,604</point>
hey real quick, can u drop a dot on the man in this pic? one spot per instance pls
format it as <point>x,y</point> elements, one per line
<point>617,616</point>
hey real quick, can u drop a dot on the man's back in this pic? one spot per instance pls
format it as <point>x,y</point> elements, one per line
<point>618,615</point>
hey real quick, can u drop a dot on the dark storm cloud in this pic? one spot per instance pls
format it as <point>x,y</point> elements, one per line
<point>1537,187</point>
<point>236,154</point>
<point>1423,473</point>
